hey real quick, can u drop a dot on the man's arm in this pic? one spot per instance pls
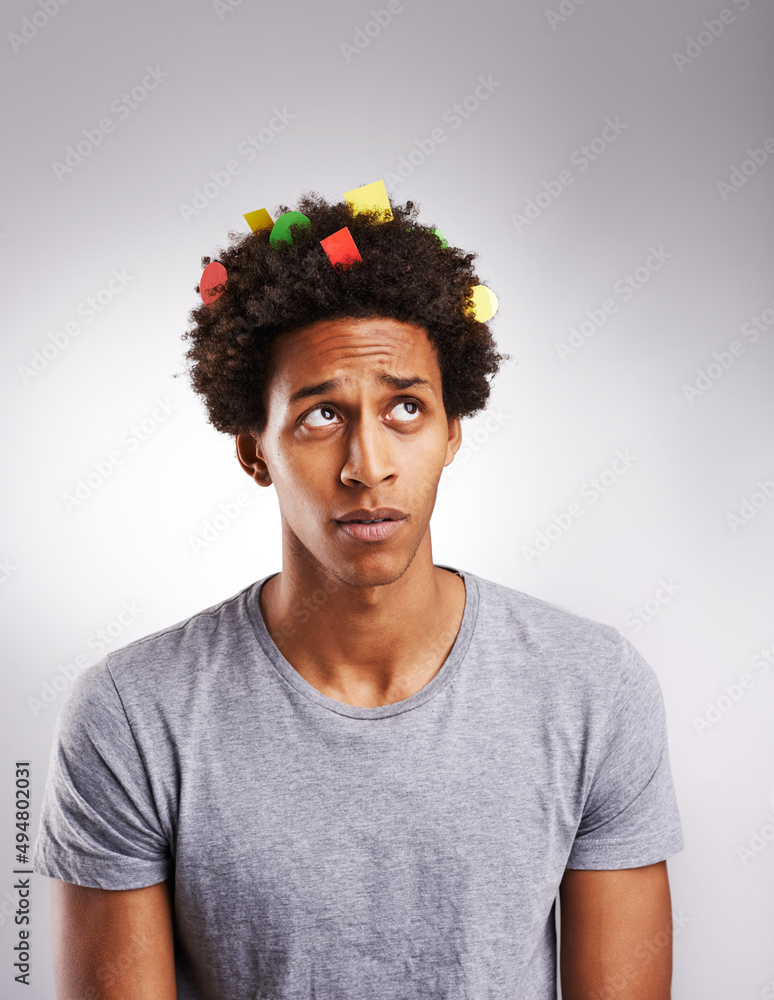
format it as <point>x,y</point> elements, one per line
<point>113,944</point>
<point>616,934</point>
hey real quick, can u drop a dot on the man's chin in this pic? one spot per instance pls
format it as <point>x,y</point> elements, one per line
<point>371,569</point>
<point>370,575</point>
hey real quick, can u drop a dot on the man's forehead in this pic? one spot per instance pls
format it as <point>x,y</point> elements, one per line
<point>381,351</point>
<point>360,334</point>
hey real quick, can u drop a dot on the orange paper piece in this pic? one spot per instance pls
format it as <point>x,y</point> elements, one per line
<point>259,219</point>
<point>340,247</point>
<point>213,275</point>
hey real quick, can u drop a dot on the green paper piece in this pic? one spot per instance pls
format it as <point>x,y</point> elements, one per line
<point>440,236</point>
<point>281,233</point>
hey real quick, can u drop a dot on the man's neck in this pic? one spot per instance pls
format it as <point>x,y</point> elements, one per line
<point>365,646</point>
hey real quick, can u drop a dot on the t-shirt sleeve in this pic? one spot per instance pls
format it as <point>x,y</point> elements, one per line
<point>99,825</point>
<point>630,816</point>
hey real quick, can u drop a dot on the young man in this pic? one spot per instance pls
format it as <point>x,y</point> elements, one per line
<point>367,776</point>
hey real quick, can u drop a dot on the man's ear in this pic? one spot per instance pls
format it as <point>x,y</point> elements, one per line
<point>455,440</point>
<point>250,456</point>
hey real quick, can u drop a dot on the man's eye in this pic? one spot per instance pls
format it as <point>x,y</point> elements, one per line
<point>324,413</point>
<point>410,408</point>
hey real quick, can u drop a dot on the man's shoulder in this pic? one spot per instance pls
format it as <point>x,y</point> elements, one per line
<point>180,650</point>
<point>546,632</point>
<point>539,615</point>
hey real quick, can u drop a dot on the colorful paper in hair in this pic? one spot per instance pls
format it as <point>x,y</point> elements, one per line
<point>370,198</point>
<point>484,303</point>
<point>212,283</point>
<point>281,230</point>
<point>259,219</point>
<point>339,247</point>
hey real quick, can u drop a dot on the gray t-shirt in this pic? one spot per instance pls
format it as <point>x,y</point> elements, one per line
<point>343,853</point>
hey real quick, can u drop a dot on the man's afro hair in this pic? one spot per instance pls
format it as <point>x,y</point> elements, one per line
<point>406,274</point>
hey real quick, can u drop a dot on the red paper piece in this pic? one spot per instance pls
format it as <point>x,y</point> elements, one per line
<point>340,247</point>
<point>214,274</point>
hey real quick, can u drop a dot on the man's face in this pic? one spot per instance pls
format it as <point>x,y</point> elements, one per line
<point>355,421</point>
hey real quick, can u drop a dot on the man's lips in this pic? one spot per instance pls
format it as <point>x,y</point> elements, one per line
<point>377,514</point>
<point>371,525</point>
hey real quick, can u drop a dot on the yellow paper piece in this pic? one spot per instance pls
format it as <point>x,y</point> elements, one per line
<point>259,219</point>
<point>368,198</point>
<point>484,303</point>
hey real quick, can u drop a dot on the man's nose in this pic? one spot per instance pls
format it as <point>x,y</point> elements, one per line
<point>370,457</point>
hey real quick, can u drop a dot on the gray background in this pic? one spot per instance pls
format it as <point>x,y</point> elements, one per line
<point>560,421</point>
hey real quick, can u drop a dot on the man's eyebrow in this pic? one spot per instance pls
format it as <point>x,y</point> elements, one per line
<point>394,381</point>
<point>318,389</point>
